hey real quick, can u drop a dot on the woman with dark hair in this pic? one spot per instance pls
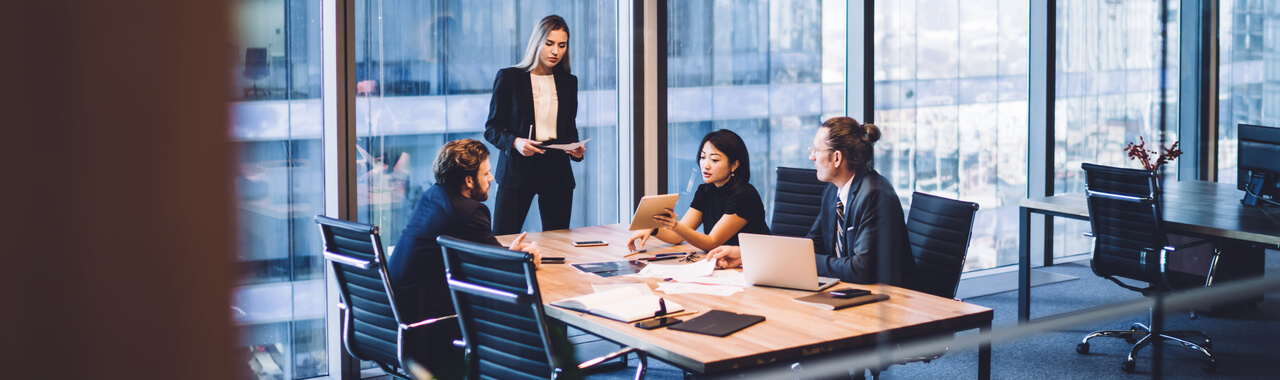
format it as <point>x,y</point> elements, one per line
<point>725,204</point>
<point>535,103</point>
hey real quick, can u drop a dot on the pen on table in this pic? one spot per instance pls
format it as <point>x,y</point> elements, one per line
<point>659,258</point>
<point>675,314</point>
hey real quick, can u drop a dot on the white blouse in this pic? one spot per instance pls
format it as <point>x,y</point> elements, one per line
<point>545,105</point>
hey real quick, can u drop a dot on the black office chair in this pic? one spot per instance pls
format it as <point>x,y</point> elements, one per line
<point>1129,242</point>
<point>939,230</point>
<point>255,68</point>
<point>797,198</point>
<point>371,325</point>
<point>504,325</point>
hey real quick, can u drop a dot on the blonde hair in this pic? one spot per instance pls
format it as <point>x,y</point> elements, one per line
<point>539,36</point>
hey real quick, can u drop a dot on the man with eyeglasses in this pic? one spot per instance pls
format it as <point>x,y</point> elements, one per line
<point>860,235</point>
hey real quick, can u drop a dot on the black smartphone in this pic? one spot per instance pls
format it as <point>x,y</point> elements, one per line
<point>552,260</point>
<point>657,322</point>
<point>589,243</point>
<point>848,293</point>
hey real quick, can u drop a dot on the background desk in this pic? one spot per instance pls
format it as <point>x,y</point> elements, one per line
<point>1197,208</point>
<point>791,330</point>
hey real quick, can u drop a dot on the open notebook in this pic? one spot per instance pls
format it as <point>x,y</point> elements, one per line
<point>626,304</point>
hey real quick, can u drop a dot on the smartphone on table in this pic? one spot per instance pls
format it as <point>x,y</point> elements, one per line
<point>657,322</point>
<point>590,243</point>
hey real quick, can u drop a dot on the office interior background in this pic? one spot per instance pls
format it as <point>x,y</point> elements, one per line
<point>950,83</point>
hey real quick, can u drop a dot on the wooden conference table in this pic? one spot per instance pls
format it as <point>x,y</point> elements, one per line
<point>790,332</point>
<point>1198,208</point>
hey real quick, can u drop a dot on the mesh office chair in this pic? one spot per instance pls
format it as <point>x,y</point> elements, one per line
<point>939,230</point>
<point>1129,242</point>
<point>371,325</point>
<point>504,325</point>
<point>797,198</point>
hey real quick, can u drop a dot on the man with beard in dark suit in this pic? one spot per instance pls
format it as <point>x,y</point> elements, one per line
<point>450,207</point>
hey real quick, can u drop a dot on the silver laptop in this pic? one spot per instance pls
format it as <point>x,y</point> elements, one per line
<point>782,262</point>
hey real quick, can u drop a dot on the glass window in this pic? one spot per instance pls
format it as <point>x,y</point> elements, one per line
<point>770,71</point>
<point>425,73</point>
<point>279,298</point>
<point>951,100</point>
<point>1108,94</point>
<point>1248,90</point>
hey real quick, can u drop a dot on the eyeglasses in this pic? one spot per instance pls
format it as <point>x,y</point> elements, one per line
<point>813,149</point>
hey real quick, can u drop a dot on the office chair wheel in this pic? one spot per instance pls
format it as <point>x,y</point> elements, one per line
<point>1082,348</point>
<point>1127,366</point>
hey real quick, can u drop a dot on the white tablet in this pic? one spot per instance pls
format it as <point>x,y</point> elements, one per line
<point>649,206</point>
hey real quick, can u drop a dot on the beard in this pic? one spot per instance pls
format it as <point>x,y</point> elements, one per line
<point>479,195</point>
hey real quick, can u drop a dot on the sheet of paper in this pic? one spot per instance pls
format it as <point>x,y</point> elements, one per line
<point>640,286</point>
<point>701,268</point>
<point>720,277</point>
<point>569,146</point>
<point>685,288</point>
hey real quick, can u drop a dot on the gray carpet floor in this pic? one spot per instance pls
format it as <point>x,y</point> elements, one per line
<point>1246,341</point>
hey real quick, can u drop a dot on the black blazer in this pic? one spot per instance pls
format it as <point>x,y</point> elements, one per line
<point>416,267</point>
<point>875,234</point>
<point>511,116</point>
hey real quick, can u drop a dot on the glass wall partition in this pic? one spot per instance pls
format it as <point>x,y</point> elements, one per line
<point>769,70</point>
<point>425,73</point>
<point>1248,74</point>
<point>1108,93</point>
<point>951,99</point>
<point>276,113</point>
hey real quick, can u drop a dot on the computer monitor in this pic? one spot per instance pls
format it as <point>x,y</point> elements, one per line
<point>1258,163</point>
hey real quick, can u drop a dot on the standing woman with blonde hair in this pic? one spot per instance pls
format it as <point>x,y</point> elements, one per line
<point>534,103</point>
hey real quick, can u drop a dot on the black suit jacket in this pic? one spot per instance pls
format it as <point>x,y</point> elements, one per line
<point>511,116</point>
<point>875,234</point>
<point>416,267</point>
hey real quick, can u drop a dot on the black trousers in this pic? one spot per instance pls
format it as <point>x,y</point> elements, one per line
<point>511,206</point>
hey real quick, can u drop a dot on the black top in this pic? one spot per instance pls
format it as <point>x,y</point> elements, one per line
<point>743,201</point>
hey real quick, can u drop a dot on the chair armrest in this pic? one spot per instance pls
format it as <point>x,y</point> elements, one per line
<point>427,322</point>
<point>624,351</point>
<point>362,264</point>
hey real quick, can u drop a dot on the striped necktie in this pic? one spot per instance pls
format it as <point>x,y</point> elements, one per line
<point>839,228</point>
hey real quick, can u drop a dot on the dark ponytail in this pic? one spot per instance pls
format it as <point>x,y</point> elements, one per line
<point>854,140</point>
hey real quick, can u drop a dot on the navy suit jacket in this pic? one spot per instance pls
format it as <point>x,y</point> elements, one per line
<point>416,267</point>
<point>875,234</point>
<point>511,116</point>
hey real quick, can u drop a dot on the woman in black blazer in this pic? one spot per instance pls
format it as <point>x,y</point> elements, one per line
<point>535,103</point>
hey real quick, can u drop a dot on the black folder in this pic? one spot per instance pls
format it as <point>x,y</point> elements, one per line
<point>718,323</point>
